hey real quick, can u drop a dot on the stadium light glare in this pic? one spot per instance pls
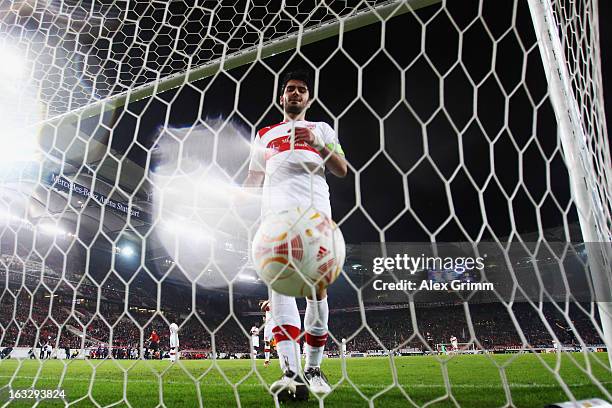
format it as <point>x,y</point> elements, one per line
<point>184,227</point>
<point>51,229</point>
<point>247,278</point>
<point>7,216</point>
<point>127,251</point>
<point>20,109</point>
<point>13,65</point>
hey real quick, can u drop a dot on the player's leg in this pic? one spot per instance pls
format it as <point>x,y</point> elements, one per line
<point>172,354</point>
<point>315,326</point>
<point>286,332</point>
<point>255,342</point>
<point>267,337</point>
<point>266,353</point>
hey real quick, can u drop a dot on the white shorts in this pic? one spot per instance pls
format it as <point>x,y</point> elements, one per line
<point>255,340</point>
<point>268,331</point>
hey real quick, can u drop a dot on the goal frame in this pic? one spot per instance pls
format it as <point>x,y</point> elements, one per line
<point>319,32</point>
<point>577,160</point>
<point>593,220</point>
<point>574,139</point>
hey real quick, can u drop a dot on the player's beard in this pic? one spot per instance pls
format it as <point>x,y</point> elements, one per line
<point>294,109</point>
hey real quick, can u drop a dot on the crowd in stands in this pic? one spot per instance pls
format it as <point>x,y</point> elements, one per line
<point>101,317</point>
<point>108,328</point>
<point>492,325</point>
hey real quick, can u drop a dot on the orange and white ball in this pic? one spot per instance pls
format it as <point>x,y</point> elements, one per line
<point>298,251</point>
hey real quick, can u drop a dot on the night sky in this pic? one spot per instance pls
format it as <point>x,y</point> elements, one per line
<point>471,127</point>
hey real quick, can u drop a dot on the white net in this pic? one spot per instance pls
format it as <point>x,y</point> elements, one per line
<point>126,130</point>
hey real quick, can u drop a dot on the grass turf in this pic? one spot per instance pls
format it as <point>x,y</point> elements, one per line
<point>474,381</point>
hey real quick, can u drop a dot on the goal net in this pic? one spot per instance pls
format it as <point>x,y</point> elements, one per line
<point>475,135</point>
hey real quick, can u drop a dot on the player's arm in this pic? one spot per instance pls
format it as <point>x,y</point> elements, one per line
<point>254,179</point>
<point>334,161</point>
<point>331,153</point>
<point>257,165</point>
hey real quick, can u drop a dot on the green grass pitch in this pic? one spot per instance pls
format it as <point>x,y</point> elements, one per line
<point>474,381</point>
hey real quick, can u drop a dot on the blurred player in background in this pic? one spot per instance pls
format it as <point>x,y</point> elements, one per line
<point>42,344</point>
<point>268,326</point>
<point>289,160</point>
<point>174,342</point>
<point>153,344</point>
<point>454,344</point>
<point>254,340</point>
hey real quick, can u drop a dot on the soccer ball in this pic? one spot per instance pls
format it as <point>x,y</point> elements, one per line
<point>297,252</point>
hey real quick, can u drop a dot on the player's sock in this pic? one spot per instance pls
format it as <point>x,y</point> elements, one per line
<point>287,347</point>
<point>281,361</point>
<point>315,326</point>
<point>267,351</point>
<point>287,330</point>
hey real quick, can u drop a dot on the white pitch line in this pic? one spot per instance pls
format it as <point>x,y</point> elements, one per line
<point>344,385</point>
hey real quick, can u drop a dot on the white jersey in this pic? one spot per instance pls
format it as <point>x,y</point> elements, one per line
<point>295,175</point>
<point>268,326</point>
<point>174,340</point>
<point>454,341</point>
<point>255,336</point>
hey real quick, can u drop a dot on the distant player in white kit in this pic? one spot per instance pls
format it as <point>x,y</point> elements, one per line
<point>174,342</point>
<point>454,344</point>
<point>289,160</point>
<point>254,340</point>
<point>268,326</point>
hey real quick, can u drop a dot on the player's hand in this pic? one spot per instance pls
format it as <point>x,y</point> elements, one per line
<point>308,136</point>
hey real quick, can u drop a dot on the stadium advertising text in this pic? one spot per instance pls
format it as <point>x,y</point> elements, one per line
<point>60,183</point>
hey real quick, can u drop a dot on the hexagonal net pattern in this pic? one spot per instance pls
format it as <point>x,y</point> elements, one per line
<point>473,125</point>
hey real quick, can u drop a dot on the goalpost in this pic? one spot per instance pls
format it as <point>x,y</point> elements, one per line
<point>113,102</point>
<point>592,203</point>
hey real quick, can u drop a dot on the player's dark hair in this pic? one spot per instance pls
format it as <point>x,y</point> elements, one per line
<point>299,75</point>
